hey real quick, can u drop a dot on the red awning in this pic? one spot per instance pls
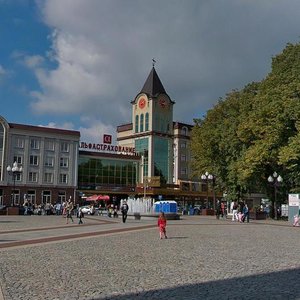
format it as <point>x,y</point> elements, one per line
<point>98,198</point>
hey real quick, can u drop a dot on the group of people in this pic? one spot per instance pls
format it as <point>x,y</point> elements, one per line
<point>240,212</point>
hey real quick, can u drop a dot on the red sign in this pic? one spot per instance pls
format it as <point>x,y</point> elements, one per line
<point>107,139</point>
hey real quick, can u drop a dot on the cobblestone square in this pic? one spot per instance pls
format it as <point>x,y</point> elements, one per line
<point>203,258</point>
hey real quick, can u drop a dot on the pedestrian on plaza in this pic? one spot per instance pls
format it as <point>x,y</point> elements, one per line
<point>110,210</point>
<point>80,215</point>
<point>64,209</point>
<point>48,208</point>
<point>240,217</point>
<point>223,213</point>
<point>245,213</point>
<point>234,212</point>
<point>69,209</point>
<point>116,211</point>
<point>25,205</point>
<point>58,208</point>
<point>162,224</point>
<point>218,209</point>
<point>124,211</point>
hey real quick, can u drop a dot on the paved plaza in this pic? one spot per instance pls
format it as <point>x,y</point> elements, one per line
<point>42,257</point>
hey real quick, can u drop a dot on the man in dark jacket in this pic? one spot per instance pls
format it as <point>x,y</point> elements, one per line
<point>124,210</point>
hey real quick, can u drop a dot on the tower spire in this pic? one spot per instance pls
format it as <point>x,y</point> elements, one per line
<point>153,62</point>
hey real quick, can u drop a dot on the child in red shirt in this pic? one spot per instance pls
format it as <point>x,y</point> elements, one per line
<point>162,223</point>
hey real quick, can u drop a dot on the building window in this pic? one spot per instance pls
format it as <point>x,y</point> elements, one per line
<point>18,159</point>
<point>32,177</point>
<point>64,147</point>
<point>142,123</point>
<point>19,143</point>
<point>183,157</point>
<point>183,171</point>
<point>146,121</point>
<point>183,144</point>
<point>49,145</point>
<point>136,123</point>
<point>184,131</point>
<point>49,161</point>
<point>33,160</point>
<point>31,197</point>
<point>63,178</point>
<point>48,177</point>
<point>34,144</point>
<point>62,197</point>
<point>64,162</point>
<point>46,196</point>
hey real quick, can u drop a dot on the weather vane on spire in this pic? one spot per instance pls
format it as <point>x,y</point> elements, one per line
<point>153,62</point>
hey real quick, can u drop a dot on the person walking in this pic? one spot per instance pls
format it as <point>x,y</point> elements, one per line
<point>162,224</point>
<point>80,215</point>
<point>69,209</point>
<point>124,211</point>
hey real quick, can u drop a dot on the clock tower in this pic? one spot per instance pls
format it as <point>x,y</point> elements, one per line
<point>152,129</point>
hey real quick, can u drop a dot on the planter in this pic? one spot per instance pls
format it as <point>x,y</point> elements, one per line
<point>137,216</point>
<point>258,215</point>
<point>14,210</point>
<point>208,212</point>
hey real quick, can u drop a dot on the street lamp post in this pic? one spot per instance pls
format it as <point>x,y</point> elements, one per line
<point>206,178</point>
<point>14,171</point>
<point>275,180</point>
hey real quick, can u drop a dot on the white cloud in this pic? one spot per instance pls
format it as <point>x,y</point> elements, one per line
<point>66,125</point>
<point>33,61</point>
<point>204,49</point>
<point>91,131</point>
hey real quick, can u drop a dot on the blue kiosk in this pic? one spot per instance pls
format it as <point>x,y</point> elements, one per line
<point>165,206</point>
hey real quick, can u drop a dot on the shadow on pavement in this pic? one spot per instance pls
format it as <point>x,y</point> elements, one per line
<point>276,285</point>
<point>7,221</point>
<point>177,237</point>
<point>4,241</point>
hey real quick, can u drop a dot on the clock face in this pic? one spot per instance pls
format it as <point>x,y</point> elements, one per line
<point>142,103</point>
<point>162,103</point>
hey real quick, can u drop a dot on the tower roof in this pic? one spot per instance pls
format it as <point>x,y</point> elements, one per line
<point>153,85</point>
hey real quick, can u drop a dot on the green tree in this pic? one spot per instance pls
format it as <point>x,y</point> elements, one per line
<point>253,132</point>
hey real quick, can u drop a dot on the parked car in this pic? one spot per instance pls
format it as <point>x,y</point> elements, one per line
<point>87,210</point>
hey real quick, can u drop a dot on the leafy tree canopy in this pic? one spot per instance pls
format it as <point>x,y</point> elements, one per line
<point>253,132</point>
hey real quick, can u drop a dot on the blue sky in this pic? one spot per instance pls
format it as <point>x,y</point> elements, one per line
<point>77,64</point>
<point>23,34</point>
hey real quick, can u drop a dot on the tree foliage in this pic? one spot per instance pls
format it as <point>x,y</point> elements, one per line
<point>254,131</point>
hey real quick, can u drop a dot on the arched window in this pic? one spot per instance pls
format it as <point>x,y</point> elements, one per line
<point>184,131</point>
<point>136,123</point>
<point>142,123</point>
<point>147,122</point>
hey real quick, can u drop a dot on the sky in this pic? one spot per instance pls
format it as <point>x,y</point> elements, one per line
<point>77,64</point>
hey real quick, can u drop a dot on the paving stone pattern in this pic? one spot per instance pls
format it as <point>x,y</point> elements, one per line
<point>203,258</point>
